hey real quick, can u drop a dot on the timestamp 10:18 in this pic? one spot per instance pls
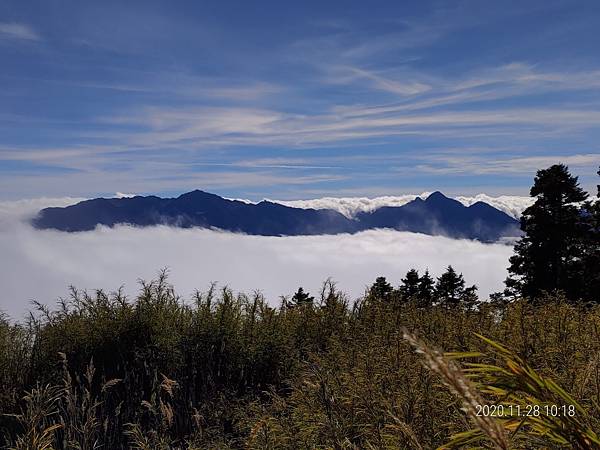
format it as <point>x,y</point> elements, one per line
<point>501,410</point>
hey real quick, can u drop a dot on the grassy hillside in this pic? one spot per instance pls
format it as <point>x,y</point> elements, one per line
<point>229,371</point>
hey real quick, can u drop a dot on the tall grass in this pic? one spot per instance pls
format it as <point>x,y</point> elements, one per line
<point>228,370</point>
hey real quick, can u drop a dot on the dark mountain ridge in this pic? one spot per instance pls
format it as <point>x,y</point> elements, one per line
<point>440,215</point>
<point>436,215</point>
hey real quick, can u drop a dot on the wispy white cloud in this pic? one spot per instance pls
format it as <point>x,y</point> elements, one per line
<point>224,126</point>
<point>282,163</point>
<point>351,84</point>
<point>482,85</point>
<point>165,125</point>
<point>44,154</point>
<point>351,42</point>
<point>449,164</point>
<point>186,86</point>
<point>18,31</point>
<point>519,73</point>
<point>376,81</point>
<point>154,177</point>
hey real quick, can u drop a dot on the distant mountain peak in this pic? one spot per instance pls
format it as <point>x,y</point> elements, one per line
<point>197,193</point>
<point>435,215</point>
<point>437,195</point>
<point>480,204</point>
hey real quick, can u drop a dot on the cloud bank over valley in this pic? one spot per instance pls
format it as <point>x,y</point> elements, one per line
<point>350,206</point>
<point>40,265</point>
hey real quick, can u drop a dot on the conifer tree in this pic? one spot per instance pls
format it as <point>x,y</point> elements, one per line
<point>590,249</point>
<point>302,298</point>
<point>449,288</point>
<point>546,256</point>
<point>426,290</point>
<point>469,297</point>
<point>381,289</point>
<point>410,284</point>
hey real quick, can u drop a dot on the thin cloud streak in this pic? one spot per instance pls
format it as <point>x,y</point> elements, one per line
<point>204,127</point>
<point>152,178</point>
<point>17,31</point>
<point>519,165</point>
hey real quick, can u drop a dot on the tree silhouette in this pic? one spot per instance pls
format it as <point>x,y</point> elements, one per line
<point>450,288</point>
<point>302,298</point>
<point>469,297</point>
<point>410,284</point>
<point>381,289</point>
<point>546,256</point>
<point>426,290</point>
<point>590,248</point>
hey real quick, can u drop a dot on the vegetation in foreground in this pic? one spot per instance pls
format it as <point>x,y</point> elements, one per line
<point>232,372</point>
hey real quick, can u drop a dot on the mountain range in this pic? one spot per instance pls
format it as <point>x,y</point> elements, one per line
<point>435,215</point>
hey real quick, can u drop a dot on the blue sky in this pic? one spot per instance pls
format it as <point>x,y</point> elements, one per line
<point>295,99</point>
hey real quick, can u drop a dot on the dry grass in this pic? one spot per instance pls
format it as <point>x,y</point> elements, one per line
<point>232,372</point>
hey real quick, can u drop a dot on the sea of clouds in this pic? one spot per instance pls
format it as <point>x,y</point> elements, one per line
<point>40,265</point>
<point>350,206</point>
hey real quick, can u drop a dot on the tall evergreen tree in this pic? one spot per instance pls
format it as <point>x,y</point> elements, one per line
<point>410,284</point>
<point>450,288</point>
<point>545,257</point>
<point>381,289</point>
<point>426,290</point>
<point>590,249</point>
<point>469,298</point>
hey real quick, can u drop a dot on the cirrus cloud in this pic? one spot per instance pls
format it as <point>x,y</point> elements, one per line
<point>17,31</point>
